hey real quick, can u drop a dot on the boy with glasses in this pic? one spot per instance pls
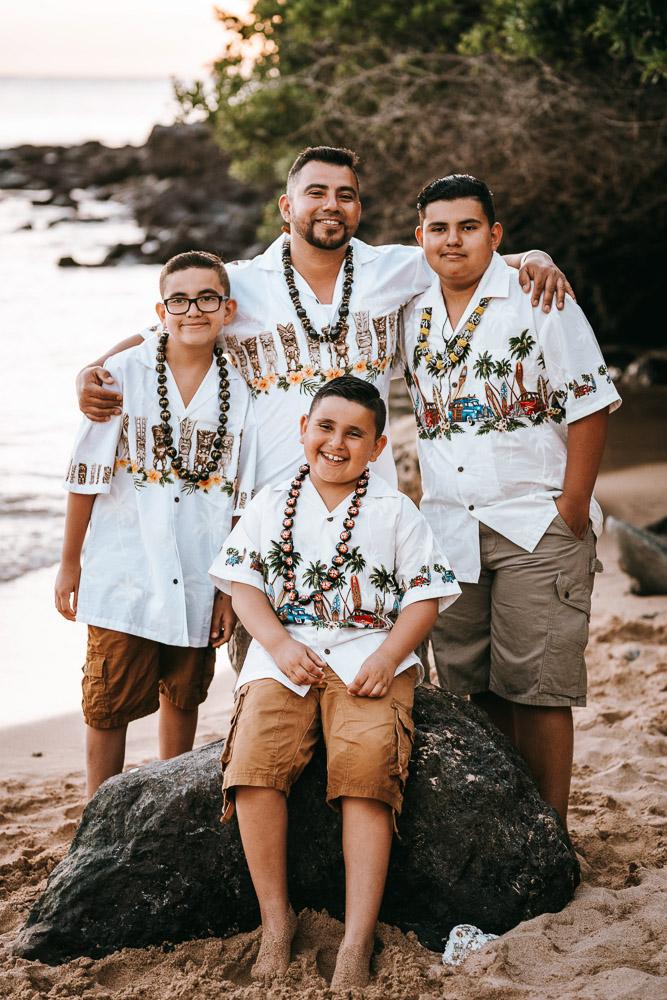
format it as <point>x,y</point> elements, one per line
<point>158,485</point>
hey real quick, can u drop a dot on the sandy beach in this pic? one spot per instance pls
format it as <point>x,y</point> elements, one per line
<point>608,944</point>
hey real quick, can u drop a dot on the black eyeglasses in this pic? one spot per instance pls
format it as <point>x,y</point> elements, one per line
<point>209,302</point>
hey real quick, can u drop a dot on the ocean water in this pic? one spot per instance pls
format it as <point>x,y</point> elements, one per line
<point>62,111</point>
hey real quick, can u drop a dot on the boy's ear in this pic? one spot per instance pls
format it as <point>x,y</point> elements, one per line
<point>496,235</point>
<point>161,311</point>
<point>303,426</point>
<point>230,311</point>
<point>380,445</point>
<point>419,235</point>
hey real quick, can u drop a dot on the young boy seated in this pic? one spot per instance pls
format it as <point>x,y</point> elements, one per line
<point>158,485</point>
<point>336,576</point>
<point>512,407</point>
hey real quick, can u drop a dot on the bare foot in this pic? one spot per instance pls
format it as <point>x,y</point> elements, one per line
<point>352,967</point>
<point>274,950</point>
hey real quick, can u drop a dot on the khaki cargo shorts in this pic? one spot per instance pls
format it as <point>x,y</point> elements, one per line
<point>124,676</point>
<point>274,732</point>
<point>521,631</point>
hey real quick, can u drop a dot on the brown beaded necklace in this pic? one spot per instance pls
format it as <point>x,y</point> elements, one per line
<point>342,548</point>
<point>334,332</point>
<point>203,471</point>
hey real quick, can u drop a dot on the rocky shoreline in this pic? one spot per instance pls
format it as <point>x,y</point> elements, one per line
<point>176,186</point>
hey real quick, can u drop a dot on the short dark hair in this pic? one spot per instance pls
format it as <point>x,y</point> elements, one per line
<point>195,258</point>
<point>457,186</point>
<point>340,156</point>
<point>358,391</point>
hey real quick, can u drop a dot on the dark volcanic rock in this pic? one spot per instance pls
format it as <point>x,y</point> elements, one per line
<point>151,861</point>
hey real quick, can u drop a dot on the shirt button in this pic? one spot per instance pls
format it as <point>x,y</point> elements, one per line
<point>177,499</point>
<point>330,519</point>
<point>175,581</point>
<point>460,468</point>
<point>471,506</point>
<point>327,651</point>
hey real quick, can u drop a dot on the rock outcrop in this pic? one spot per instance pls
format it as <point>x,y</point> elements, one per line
<point>151,862</point>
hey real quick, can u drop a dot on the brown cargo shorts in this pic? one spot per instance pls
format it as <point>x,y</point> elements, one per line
<point>521,631</point>
<point>274,732</point>
<point>124,676</point>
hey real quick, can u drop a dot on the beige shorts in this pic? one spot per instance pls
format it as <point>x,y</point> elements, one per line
<point>124,676</point>
<point>521,631</point>
<point>274,732</point>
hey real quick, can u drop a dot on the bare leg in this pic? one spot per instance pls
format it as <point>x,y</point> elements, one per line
<point>500,711</point>
<point>176,729</point>
<point>367,835</point>
<point>546,742</point>
<point>262,816</point>
<point>105,755</point>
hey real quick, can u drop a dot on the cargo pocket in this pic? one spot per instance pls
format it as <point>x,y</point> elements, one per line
<point>404,737</point>
<point>226,756</point>
<point>95,695</point>
<point>564,667</point>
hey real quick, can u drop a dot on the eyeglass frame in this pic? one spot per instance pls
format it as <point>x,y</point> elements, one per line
<point>221,298</point>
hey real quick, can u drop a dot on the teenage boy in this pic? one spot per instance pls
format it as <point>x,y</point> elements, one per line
<point>512,408</point>
<point>318,302</point>
<point>158,485</point>
<point>336,576</point>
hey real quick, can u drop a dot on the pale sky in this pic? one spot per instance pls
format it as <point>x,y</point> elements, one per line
<point>110,38</point>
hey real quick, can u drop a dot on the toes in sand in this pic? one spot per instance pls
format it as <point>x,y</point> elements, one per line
<point>352,967</point>
<point>273,958</point>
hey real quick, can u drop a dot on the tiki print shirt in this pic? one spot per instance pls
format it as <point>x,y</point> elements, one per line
<point>153,535</point>
<point>492,428</point>
<point>393,562</point>
<point>284,368</point>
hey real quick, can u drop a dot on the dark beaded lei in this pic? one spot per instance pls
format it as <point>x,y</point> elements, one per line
<point>342,548</point>
<point>204,471</point>
<point>334,332</point>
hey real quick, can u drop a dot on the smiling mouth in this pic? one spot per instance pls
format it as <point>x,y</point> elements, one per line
<point>337,459</point>
<point>330,222</point>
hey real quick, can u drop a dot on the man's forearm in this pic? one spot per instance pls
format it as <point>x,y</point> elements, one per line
<point>122,345</point>
<point>585,444</point>
<point>538,256</point>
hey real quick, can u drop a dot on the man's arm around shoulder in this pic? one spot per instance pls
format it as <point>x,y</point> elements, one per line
<point>95,401</point>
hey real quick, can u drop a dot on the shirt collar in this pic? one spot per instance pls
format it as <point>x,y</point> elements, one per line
<point>272,258</point>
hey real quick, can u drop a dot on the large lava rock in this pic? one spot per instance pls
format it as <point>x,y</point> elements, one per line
<point>151,861</point>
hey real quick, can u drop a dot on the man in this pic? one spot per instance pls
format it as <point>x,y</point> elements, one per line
<point>316,304</point>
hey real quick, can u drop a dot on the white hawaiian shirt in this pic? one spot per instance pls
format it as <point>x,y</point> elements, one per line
<point>393,562</point>
<point>283,367</point>
<point>492,426</point>
<point>152,535</point>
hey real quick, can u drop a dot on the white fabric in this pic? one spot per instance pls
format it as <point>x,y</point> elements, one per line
<point>498,465</point>
<point>284,368</point>
<point>151,541</point>
<point>402,566</point>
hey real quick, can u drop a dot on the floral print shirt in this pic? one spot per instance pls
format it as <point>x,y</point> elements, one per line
<point>492,427</point>
<point>394,562</point>
<point>152,535</point>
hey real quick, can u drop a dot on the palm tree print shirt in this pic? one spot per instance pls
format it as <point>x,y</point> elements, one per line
<point>492,428</point>
<point>393,562</point>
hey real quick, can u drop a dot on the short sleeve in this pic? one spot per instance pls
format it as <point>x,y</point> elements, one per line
<point>422,571</point>
<point>239,559</point>
<point>247,459</point>
<point>91,466</point>
<point>574,364</point>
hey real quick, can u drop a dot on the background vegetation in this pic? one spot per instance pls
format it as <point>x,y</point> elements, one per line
<point>558,104</point>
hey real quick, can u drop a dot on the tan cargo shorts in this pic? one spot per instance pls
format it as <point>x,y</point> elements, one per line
<point>124,676</point>
<point>274,732</point>
<point>521,631</point>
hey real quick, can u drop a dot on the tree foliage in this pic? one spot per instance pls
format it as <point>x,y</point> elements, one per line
<point>556,103</point>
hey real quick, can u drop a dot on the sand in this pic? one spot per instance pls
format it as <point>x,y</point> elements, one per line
<point>607,944</point>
